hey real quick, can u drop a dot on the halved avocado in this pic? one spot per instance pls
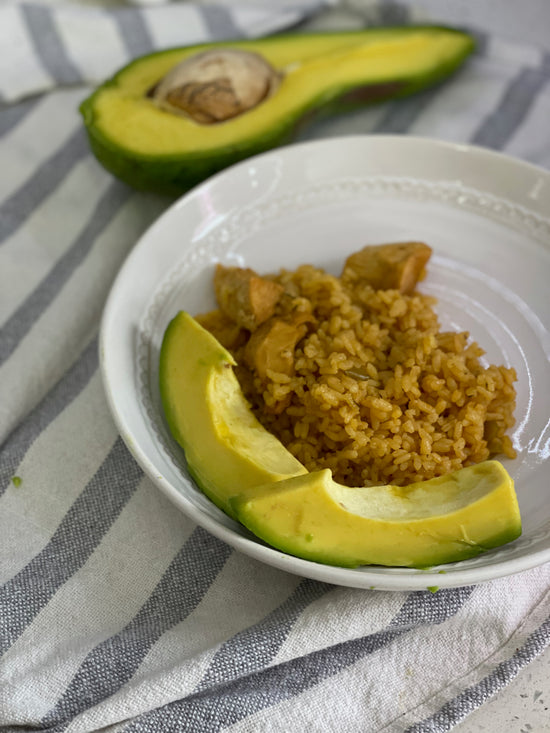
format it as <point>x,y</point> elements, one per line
<point>249,474</point>
<point>151,148</point>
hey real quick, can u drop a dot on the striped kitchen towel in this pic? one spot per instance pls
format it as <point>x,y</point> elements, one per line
<point>116,611</point>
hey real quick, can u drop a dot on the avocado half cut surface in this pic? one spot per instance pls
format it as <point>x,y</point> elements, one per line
<point>249,474</point>
<point>151,148</point>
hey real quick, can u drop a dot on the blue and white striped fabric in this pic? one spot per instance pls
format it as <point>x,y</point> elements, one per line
<point>116,612</point>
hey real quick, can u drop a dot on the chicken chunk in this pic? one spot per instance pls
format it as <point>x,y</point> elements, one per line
<point>244,296</point>
<point>227,332</point>
<point>271,347</point>
<point>389,266</point>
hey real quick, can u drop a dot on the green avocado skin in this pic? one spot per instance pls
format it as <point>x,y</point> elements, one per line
<point>172,175</point>
<point>175,174</point>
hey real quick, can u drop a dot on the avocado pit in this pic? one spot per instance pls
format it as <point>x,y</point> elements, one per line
<point>216,85</point>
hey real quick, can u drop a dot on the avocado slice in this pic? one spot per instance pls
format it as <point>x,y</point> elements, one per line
<point>251,476</point>
<point>446,519</point>
<point>226,448</point>
<point>151,148</point>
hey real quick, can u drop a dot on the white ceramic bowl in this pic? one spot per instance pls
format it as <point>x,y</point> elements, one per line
<point>485,216</point>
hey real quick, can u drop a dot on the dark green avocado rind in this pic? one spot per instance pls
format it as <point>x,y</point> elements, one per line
<point>174,174</point>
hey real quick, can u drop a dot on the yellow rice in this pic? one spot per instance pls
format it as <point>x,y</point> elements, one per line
<point>379,393</point>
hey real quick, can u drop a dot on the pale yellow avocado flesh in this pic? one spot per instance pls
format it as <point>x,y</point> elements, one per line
<point>226,448</point>
<point>312,67</point>
<point>446,519</point>
<point>249,474</point>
